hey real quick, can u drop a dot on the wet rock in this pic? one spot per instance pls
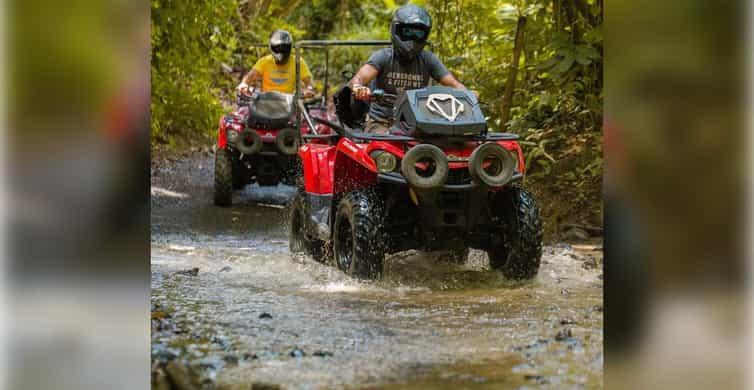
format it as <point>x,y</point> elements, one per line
<point>597,308</point>
<point>564,334</point>
<point>322,354</point>
<point>160,380</point>
<point>250,356</point>
<point>189,272</point>
<point>567,321</point>
<point>264,386</point>
<point>265,315</point>
<point>576,234</point>
<point>230,359</point>
<point>297,353</point>
<point>180,376</point>
<point>225,269</point>
<point>564,291</point>
<point>590,263</point>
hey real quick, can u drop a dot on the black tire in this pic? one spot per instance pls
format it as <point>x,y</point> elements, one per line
<point>501,167</point>
<point>358,243</point>
<point>433,177</point>
<point>223,178</point>
<point>288,142</point>
<point>458,256</point>
<point>249,142</point>
<point>301,239</point>
<point>518,255</point>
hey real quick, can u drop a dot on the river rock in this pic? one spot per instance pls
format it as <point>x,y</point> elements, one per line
<point>564,334</point>
<point>576,234</point>
<point>189,272</point>
<point>180,376</point>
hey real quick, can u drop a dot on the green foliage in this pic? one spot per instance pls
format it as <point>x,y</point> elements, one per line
<point>190,40</point>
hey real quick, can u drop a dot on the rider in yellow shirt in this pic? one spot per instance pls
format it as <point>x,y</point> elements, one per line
<point>275,72</point>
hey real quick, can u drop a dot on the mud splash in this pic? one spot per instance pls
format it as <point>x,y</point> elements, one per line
<point>255,314</point>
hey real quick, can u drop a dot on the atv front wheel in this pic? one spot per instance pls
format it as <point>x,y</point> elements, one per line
<point>301,240</point>
<point>519,254</point>
<point>223,178</point>
<point>358,244</point>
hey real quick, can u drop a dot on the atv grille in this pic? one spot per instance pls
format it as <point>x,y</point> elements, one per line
<point>458,176</point>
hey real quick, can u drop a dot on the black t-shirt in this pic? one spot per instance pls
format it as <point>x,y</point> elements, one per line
<point>394,77</point>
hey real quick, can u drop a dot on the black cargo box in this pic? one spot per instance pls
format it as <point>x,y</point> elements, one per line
<point>439,111</point>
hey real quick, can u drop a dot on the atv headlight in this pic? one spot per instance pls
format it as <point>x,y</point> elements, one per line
<point>386,162</point>
<point>232,135</point>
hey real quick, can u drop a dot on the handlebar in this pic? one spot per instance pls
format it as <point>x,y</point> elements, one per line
<point>380,95</point>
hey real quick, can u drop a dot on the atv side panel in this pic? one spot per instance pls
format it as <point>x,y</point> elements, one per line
<point>317,161</point>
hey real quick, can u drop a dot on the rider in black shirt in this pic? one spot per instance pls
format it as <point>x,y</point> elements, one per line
<point>405,65</point>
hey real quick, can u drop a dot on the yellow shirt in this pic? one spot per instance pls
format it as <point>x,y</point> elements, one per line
<point>281,78</point>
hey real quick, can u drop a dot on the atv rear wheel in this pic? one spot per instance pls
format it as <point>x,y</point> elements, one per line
<point>358,244</point>
<point>300,236</point>
<point>223,178</point>
<point>519,254</point>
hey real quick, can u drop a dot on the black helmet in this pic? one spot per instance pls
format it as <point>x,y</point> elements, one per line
<point>409,31</point>
<point>280,45</point>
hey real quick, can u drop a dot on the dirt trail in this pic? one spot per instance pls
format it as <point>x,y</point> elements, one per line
<point>254,314</point>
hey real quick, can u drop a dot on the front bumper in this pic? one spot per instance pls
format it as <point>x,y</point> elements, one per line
<point>398,179</point>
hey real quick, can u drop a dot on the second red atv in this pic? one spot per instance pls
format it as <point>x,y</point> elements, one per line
<point>258,142</point>
<point>438,181</point>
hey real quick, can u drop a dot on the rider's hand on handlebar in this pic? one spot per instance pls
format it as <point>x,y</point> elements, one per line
<point>243,88</point>
<point>361,92</point>
<point>308,93</point>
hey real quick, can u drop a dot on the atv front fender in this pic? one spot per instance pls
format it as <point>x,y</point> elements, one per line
<point>317,161</point>
<point>353,168</point>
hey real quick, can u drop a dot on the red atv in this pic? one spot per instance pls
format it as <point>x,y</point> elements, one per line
<point>258,142</point>
<point>438,182</point>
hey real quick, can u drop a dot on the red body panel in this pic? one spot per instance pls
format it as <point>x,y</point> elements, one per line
<point>354,169</point>
<point>318,163</point>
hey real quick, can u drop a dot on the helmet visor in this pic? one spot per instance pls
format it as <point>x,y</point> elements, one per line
<point>412,32</point>
<point>283,48</point>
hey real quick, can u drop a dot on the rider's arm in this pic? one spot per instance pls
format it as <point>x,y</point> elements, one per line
<point>308,86</point>
<point>363,77</point>
<point>253,79</point>
<point>449,81</point>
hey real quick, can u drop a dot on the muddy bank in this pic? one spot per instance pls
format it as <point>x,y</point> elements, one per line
<point>231,307</point>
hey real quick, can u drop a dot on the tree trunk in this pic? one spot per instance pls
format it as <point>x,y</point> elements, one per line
<point>262,9</point>
<point>510,84</point>
<point>556,13</point>
<point>289,8</point>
